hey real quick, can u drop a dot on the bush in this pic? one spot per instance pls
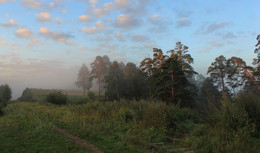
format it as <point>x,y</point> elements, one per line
<point>230,128</point>
<point>125,115</point>
<point>180,121</point>
<point>91,95</point>
<point>57,97</point>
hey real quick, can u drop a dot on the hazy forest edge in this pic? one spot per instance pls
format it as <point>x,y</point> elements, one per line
<point>161,105</point>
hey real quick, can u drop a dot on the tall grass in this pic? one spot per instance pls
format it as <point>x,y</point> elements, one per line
<point>231,128</point>
<point>125,126</point>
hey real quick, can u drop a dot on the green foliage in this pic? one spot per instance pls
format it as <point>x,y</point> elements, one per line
<point>26,95</point>
<point>100,68</point>
<point>134,83</point>
<point>181,121</point>
<point>57,97</point>
<point>24,129</point>
<point>114,81</point>
<point>77,99</point>
<point>171,85</point>
<point>125,115</point>
<point>91,96</point>
<point>5,96</point>
<point>230,128</point>
<point>5,92</point>
<point>209,91</point>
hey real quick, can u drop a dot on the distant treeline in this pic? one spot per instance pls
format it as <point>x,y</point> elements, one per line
<point>171,78</point>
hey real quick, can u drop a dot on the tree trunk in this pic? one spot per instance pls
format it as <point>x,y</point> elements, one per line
<point>172,78</point>
<point>222,80</point>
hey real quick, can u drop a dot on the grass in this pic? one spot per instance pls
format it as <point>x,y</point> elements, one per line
<point>124,127</point>
<point>25,131</point>
<point>131,127</point>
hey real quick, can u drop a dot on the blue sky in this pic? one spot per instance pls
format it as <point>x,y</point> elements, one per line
<point>43,43</point>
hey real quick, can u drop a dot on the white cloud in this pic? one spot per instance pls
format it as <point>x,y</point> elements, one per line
<point>2,1</point>
<point>24,33</point>
<point>95,29</point>
<point>121,3</point>
<point>9,24</point>
<point>126,21</point>
<point>56,36</point>
<point>58,20</point>
<point>43,17</point>
<point>34,42</point>
<point>84,18</point>
<point>2,43</point>
<point>35,4</point>
<point>104,10</point>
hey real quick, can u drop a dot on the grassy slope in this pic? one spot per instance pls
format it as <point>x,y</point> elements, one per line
<point>23,130</point>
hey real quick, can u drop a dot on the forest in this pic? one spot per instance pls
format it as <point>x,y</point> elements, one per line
<point>161,105</point>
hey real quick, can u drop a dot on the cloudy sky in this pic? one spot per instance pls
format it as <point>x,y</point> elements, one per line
<point>43,43</point>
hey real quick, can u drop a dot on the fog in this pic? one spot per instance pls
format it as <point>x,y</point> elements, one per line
<point>50,78</point>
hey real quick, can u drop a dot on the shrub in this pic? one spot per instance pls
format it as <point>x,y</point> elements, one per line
<point>91,95</point>
<point>230,128</point>
<point>125,115</point>
<point>57,97</point>
<point>5,96</point>
<point>180,121</point>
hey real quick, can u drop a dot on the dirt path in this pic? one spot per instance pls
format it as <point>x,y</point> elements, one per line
<point>79,141</point>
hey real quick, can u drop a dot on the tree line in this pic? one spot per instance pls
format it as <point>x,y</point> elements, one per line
<point>170,77</point>
<point>5,96</point>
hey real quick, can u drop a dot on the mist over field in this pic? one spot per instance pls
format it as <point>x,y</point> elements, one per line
<point>130,76</point>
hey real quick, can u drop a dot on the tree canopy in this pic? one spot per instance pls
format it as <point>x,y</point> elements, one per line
<point>83,80</point>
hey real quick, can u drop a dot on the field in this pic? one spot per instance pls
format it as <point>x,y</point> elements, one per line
<point>131,127</point>
<point>113,127</point>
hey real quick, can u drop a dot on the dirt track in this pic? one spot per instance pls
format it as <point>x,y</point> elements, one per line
<point>79,141</point>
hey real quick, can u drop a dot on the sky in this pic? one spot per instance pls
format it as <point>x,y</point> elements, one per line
<point>43,43</point>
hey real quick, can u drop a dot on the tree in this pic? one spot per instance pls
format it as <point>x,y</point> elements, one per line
<point>135,84</point>
<point>5,92</point>
<point>83,80</point>
<point>27,95</point>
<point>5,96</point>
<point>148,65</point>
<point>239,73</point>
<point>218,72</point>
<point>256,61</point>
<point>114,81</point>
<point>171,84</point>
<point>209,91</point>
<point>99,70</point>
<point>180,54</point>
<point>257,50</point>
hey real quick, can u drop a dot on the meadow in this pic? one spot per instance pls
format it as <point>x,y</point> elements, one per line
<point>132,126</point>
<point>112,126</point>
